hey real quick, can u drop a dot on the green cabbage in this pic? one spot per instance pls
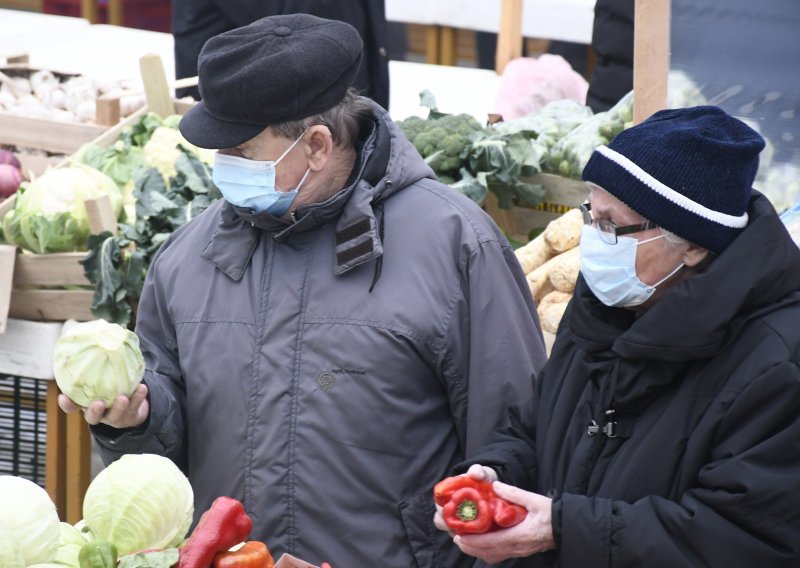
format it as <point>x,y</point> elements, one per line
<point>70,542</point>
<point>10,554</point>
<point>97,360</point>
<point>29,514</point>
<point>49,214</point>
<point>140,501</point>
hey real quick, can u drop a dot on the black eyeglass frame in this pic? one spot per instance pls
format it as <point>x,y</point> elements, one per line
<point>608,230</point>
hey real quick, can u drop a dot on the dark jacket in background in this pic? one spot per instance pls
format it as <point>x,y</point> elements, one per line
<point>612,42</point>
<point>704,465</point>
<point>195,21</point>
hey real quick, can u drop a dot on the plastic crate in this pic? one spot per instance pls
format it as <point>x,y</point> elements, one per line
<point>23,427</point>
<point>152,15</point>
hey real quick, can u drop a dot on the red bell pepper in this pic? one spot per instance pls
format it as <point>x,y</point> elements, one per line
<point>224,525</point>
<point>471,506</point>
<point>443,491</point>
<point>468,511</point>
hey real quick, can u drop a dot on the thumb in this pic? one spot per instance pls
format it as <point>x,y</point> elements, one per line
<point>531,501</point>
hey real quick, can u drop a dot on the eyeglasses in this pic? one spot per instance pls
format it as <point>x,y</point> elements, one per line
<point>607,230</point>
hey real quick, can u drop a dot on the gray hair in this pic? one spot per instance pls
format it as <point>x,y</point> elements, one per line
<point>343,120</point>
<point>673,240</point>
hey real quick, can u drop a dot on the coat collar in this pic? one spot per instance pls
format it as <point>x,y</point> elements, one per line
<point>356,209</point>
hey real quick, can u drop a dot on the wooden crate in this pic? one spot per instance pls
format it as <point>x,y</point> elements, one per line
<point>560,195</point>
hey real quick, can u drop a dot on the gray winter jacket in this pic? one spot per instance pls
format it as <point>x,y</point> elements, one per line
<point>329,372</point>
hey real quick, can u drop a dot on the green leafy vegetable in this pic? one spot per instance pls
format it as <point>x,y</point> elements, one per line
<point>97,360</point>
<point>29,514</point>
<point>153,559</point>
<point>139,502</point>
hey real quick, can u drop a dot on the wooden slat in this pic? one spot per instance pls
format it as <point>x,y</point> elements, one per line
<point>509,36</point>
<point>57,269</point>
<point>51,305</point>
<point>55,456</point>
<point>650,57</point>
<point>101,215</point>
<point>115,12</point>
<point>8,255</point>
<point>50,135</point>
<point>109,110</point>
<point>432,47</point>
<point>448,46</point>
<point>156,88</point>
<point>89,11</point>
<point>78,468</point>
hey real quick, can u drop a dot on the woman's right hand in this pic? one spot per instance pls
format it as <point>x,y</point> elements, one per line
<point>124,413</point>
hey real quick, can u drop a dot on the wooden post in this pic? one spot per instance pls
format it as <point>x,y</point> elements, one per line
<point>115,12</point>
<point>448,45</point>
<point>89,11</point>
<point>509,37</point>
<point>8,256</point>
<point>650,57</point>
<point>79,465</point>
<point>109,110</point>
<point>156,88</point>
<point>55,457</point>
<point>432,47</point>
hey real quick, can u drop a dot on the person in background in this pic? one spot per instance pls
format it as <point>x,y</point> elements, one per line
<point>195,21</point>
<point>331,338</point>
<point>665,428</point>
<point>612,43</point>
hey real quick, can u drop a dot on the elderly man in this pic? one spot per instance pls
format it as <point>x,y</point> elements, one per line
<point>665,429</point>
<point>330,339</point>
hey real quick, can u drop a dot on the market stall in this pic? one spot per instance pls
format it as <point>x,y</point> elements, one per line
<point>532,197</point>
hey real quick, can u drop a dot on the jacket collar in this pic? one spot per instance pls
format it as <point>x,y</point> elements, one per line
<point>698,316</point>
<point>356,209</point>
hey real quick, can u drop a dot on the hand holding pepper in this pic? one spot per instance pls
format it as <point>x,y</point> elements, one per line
<point>531,536</point>
<point>470,505</point>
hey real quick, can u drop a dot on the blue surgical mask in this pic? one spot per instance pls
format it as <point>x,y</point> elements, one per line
<point>610,270</point>
<point>251,183</point>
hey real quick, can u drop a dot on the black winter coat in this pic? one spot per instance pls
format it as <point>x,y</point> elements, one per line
<point>195,21</point>
<point>702,467</point>
<point>612,43</point>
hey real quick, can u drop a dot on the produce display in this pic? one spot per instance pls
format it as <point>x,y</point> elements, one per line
<point>56,96</point>
<point>49,214</point>
<point>551,263</point>
<point>470,506</point>
<point>137,513</point>
<point>10,174</point>
<point>97,360</point>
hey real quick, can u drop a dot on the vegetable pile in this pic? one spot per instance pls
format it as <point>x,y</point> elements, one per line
<point>168,183</point>
<point>49,214</point>
<point>470,506</point>
<point>10,174</point>
<point>551,263</point>
<point>137,513</point>
<point>54,96</point>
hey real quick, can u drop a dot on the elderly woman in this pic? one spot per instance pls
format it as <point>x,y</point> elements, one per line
<point>665,428</point>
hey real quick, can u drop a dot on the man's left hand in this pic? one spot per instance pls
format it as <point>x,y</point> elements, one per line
<point>531,536</point>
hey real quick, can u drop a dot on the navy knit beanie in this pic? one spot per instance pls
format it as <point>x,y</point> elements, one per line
<point>688,170</point>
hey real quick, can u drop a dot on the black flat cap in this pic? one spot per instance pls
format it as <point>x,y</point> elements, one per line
<point>275,70</point>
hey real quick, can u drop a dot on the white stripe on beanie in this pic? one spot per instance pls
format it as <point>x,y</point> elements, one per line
<point>736,222</point>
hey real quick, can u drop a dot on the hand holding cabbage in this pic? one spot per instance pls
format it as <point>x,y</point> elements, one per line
<point>99,367</point>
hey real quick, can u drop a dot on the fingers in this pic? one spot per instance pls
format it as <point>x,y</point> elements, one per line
<point>66,404</point>
<point>124,412</point>
<point>482,473</point>
<point>531,501</point>
<point>438,520</point>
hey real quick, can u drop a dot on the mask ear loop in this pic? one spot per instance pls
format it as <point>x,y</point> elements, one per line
<point>289,149</point>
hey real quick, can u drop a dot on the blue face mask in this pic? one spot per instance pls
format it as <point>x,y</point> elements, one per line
<point>610,270</point>
<point>251,183</point>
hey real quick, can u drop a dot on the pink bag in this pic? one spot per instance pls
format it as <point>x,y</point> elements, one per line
<point>529,83</point>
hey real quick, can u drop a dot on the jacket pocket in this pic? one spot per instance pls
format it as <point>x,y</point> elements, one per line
<point>430,547</point>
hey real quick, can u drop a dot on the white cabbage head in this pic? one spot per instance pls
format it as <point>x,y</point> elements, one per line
<point>28,513</point>
<point>97,360</point>
<point>140,501</point>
